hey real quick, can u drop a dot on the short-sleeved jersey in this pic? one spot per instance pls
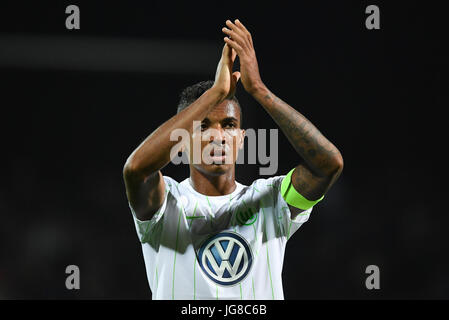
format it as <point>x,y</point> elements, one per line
<point>218,247</point>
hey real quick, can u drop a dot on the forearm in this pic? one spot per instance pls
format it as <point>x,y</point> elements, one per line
<point>321,156</point>
<point>154,152</point>
<point>322,163</point>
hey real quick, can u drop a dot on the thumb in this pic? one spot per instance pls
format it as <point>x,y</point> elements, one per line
<point>233,54</point>
<point>236,75</point>
<point>226,54</point>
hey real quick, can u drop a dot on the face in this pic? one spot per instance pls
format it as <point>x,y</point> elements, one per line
<point>214,147</point>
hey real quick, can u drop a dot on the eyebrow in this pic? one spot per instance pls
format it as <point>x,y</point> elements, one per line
<point>227,119</point>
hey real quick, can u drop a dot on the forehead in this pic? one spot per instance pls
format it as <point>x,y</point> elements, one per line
<point>225,109</point>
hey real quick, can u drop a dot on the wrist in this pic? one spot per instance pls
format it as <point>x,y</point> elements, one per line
<point>259,90</point>
<point>218,94</point>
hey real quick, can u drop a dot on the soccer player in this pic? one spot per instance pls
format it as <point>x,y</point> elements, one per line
<point>210,237</point>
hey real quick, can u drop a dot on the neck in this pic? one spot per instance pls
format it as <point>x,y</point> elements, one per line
<point>213,185</point>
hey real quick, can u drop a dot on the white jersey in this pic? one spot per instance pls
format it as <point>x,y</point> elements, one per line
<point>218,247</point>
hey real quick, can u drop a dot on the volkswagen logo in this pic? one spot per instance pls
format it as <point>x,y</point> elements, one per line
<point>225,258</point>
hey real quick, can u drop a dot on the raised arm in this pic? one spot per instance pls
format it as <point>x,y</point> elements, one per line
<point>144,184</point>
<point>322,162</point>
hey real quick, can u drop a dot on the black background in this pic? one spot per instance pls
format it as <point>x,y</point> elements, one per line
<point>377,94</point>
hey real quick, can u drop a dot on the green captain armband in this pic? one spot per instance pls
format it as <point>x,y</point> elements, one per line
<point>292,197</point>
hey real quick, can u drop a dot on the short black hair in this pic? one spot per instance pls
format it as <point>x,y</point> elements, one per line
<point>193,92</point>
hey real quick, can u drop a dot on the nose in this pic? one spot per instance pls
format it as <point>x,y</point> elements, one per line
<point>217,136</point>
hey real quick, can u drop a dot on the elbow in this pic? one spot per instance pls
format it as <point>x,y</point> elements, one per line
<point>130,169</point>
<point>331,167</point>
<point>337,165</point>
<point>133,170</point>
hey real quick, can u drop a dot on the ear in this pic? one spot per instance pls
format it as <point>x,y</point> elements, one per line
<point>242,138</point>
<point>185,148</point>
<point>181,150</point>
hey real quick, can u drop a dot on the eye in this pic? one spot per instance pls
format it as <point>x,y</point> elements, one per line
<point>203,126</point>
<point>230,125</point>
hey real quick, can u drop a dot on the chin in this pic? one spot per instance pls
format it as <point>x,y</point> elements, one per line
<point>214,169</point>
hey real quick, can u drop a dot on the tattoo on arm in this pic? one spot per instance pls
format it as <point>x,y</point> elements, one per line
<point>319,154</point>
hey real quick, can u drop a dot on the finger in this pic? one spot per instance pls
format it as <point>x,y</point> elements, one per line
<point>233,55</point>
<point>240,25</point>
<point>233,44</point>
<point>236,75</point>
<point>248,34</point>
<point>226,53</point>
<point>240,29</point>
<point>233,35</point>
<point>235,28</point>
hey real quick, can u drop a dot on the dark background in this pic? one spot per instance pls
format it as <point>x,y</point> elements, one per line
<point>75,103</point>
